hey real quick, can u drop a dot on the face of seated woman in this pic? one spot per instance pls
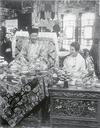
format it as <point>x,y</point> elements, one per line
<point>73,52</point>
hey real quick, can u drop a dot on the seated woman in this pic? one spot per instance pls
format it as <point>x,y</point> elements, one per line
<point>89,62</point>
<point>74,63</point>
<point>90,75</point>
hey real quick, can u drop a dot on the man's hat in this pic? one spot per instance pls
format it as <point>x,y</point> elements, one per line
<point>33,30</point>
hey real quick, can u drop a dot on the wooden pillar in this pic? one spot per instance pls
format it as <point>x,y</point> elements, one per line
<point>95,51</point>
<point>77,28</point>
<point>1,12</point>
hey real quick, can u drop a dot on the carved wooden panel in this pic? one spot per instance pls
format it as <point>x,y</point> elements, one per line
<point>75,109</point>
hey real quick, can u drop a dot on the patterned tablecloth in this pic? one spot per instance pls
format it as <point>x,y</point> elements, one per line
<point>16,100</point>
<point>19,93</point>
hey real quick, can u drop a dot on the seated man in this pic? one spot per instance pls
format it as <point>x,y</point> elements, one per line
<point>74,63</point>
<point>35,54</point>
<point>5,45</point>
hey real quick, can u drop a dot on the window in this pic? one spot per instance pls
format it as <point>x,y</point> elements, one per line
<point>72,33</point>
<point>69,23</point>
<point>87,22</point>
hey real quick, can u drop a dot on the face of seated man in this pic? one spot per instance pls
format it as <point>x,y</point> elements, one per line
<point>34,37</point>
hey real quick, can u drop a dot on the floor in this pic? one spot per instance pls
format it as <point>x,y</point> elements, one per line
<point>28,123</point>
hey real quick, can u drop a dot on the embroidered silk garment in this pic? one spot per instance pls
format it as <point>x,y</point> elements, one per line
<point>75,66</point>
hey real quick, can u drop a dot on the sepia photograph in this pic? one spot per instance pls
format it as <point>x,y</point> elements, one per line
<point>49,63</point>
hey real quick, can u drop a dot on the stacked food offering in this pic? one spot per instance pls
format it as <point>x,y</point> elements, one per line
<point>3,66</point>
<point>2,61</point>
<point>62,79</point>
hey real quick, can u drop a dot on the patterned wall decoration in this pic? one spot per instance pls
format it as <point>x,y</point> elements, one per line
<point>47,9</point>
<point>74,6</point>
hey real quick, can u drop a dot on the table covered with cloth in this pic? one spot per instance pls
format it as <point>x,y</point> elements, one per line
<point>24,82</point>
<point>16,100</point>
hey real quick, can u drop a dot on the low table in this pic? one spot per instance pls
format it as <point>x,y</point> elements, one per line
<point>72,108</point>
